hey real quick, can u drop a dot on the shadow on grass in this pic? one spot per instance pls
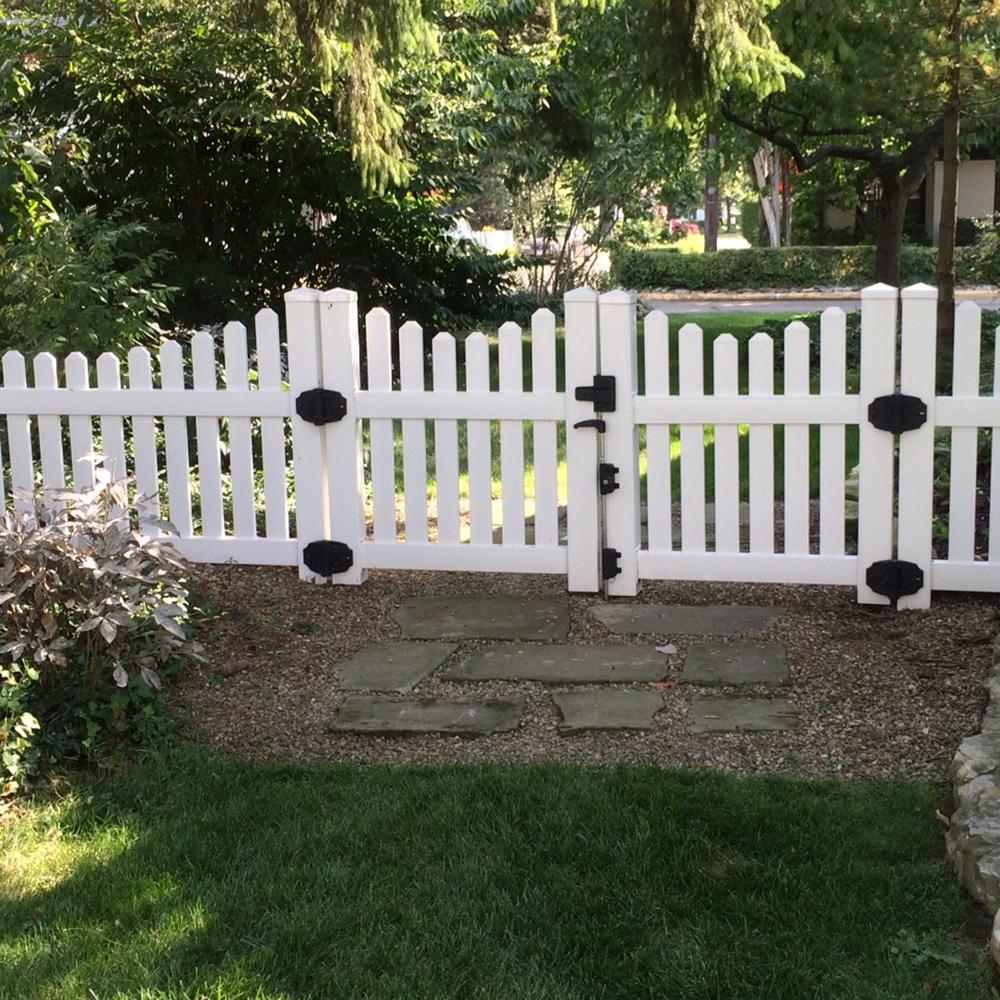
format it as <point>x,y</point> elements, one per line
<point>193,876</point>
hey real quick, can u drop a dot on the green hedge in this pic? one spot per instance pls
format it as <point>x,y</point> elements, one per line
<point>770,267</point>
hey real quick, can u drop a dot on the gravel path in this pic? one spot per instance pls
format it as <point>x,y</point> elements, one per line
<point>881,693</point>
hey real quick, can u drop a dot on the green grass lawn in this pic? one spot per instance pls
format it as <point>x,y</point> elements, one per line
<point>192,876</point>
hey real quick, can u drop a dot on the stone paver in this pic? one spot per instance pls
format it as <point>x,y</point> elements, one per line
<point>673,619</point>
<point>607,709</point>
<point>500,616</point>
<point>392,666</point>
<point>461,716</point>
<point>712,714</point>
<point>735,663</point>
<point>563,664</point>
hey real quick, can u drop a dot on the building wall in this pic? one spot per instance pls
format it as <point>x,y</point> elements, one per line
<point>976,192</point>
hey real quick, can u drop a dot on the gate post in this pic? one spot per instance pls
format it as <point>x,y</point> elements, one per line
<point>620,458</point>
<point>583,524</point>
<point>917,377</point>
<point>876,448</point>
<point>312,519</point>
<point>345,476</point>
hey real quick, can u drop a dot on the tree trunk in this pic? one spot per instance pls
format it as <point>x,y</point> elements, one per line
<point>759,163</point>
<point>949,199</point>
<point>711,198</point>
<point>786,201</point>
<point>890,214</point>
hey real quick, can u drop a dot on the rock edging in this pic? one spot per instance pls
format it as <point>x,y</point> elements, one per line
<point>973,840</point>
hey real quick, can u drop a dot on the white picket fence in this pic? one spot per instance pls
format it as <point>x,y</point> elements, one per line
<point>227,485</point>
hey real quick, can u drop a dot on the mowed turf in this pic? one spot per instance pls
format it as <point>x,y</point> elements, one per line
<point>193,876</point>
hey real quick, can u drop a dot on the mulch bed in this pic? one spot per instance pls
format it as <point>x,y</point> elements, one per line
<point>881,693</point>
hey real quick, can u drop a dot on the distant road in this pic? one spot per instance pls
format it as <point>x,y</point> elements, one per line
<point>849,301</point>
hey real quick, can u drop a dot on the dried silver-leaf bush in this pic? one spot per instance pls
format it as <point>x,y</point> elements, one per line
<point>87,605</point>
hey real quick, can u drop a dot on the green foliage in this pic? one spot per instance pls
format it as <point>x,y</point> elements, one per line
<point>94,618</point>
<point>751,224</point>
<point>241,157</point>
<point>983,258</point>
<point>783,267</point>
<point>81,283</point>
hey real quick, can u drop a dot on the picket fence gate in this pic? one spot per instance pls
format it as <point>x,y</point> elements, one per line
<point>228,488</point>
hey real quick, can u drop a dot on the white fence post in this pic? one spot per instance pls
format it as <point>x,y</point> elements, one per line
<point>583,525</point>
<point>341,356</point>
<point>312,515</point>
<point>876,448</point>
<point>917,371</point>
<point>621,444</point>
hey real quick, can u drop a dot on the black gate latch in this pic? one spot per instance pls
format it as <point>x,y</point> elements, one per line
<point>601,393</point>
<point>897,413</point>
<point>325,558</point>
<point>321,406</point>
<point>894,578</point>
<point>606,478</point>
<point>609,563</point>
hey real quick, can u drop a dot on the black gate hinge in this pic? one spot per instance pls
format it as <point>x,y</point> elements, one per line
<point>321,406</point>
<point>326,558</point>
<point>894,578</point>
<point>609,563</point>
<point>607,481</point>
<point>897,413</point>
<point>601,393</point>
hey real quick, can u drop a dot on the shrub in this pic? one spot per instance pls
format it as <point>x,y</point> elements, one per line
<point>751,224</point>
<point>82,283</point>
<point>94,618</point>
<point>784,267</point>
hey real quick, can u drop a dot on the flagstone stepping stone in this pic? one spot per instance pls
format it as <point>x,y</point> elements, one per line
<point>392,666</point>
<point>675,619</point>
<point>376,714</point>
<point>563,664</point>
<point>713,714</point>
<point>606,709</point>
<point>735,663</point>
<point>500,616</point>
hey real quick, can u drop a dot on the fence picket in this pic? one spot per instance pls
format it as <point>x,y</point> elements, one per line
<point>22,463</point>
<point>241,477</point>
<point>994,523</point>
<point>964,440</point>
<point>545,456</point>
<point>175,434</point>
<point>796,470</point>
<point>81,428</point>
<point>659,500</point>
<point>917,377</point>
<point>411,379</point>
<point>378,346</point>
<point>727,449</point>
<point>444,371</point>
<point>112,428</point>
<point>49,428</point>
<point>511,437</point>
<point>761,460</point>
<point>691,382</point>
<point>832,445</point>
<point>207,437</point>
<point>876,448</point>
<point>344,440</point>
<point>272,429</point>
<point>147,480</point>
<point>477,378</point>
<point>583,524</point>
<point>621,446</point>
<point>312,513</point>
